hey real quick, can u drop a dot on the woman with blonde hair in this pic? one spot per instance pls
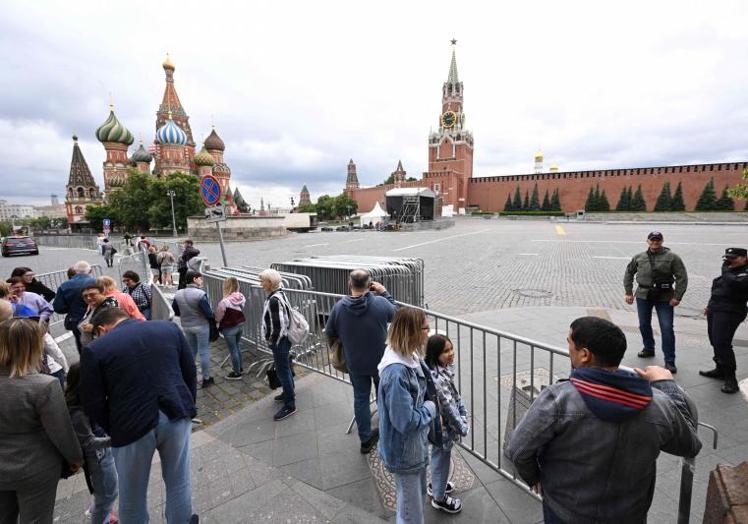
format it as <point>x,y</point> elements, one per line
<point>275,320</point>
<point>405,413</point>
<point>230,318</point>
<point>35,428</point>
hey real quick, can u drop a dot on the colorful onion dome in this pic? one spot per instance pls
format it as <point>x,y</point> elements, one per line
<point>113,131</point>
<point>221,169</point>
<point>214,141</point>
<point>203,158</point>
<point>170,133</point>
<point>168,64</point>
<point>141,155</point>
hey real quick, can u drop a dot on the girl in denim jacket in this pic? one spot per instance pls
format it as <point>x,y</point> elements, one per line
<point>440,360</point>
<point>405,415</point>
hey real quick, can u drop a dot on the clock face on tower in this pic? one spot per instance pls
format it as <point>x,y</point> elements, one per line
<point>448,119</point>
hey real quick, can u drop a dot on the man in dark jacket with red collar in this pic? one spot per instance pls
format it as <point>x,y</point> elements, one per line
<point>138,382</point>
<point>589,444</point>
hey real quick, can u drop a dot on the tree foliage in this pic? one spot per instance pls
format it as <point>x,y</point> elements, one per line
<point>142,203</point>
<point>556,201</point>
<point>725,203</point>
<point>508,204</point>
<point>307,208</point>
<point>708,199</point>
<point>665,199</point>
<point>329,208</point>
<point>740,190</point>
<point>624,200</point>
<point>677,203</point>
<point>637,201</point>
<point>534,199</point>
<point>517,202</point>
<point>546,205</point>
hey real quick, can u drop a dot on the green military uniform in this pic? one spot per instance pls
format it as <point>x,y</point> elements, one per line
<point>666,263</point>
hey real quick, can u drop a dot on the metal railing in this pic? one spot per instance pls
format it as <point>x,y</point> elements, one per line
<point>54,279</point>
<point>69,241</point>
<point>160,305</point>
<point>498,374</point>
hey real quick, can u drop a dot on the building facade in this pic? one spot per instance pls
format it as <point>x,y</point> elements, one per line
<point>81,191</point>
<point>450,172</point>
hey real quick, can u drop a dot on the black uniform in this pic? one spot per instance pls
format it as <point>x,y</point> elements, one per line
<point>726,310</point>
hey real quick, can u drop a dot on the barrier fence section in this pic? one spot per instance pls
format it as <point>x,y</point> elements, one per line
<point>53,280</point>
<point>498,374</point>
<point>69,241</point>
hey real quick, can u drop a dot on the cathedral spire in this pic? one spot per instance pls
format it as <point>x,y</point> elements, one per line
<point>80,175</point>
<point>171,106</point>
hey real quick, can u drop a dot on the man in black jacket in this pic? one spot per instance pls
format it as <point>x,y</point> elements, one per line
<point>724,313</point>
<point>138,382</point>
<point>189,252</point>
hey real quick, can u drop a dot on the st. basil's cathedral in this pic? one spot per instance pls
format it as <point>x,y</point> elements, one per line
<point>173,150</point>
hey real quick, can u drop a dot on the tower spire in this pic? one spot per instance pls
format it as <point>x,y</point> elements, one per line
<point>452,78</point>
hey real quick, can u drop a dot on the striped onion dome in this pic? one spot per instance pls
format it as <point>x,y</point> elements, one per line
<point>113,131</point>
<point>171,133</point>
<point>203,158</point>
<point>141,155</point>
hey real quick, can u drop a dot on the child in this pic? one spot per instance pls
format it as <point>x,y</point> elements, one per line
<point>440,360</point>
<point>56,361</point>
<point>101,475</point>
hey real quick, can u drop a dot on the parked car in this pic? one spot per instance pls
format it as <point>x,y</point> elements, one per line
<point>18,245</point>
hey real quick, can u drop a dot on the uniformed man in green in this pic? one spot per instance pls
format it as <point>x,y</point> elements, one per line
<point>662,281</point>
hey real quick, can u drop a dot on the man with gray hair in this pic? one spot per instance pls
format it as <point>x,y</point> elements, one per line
<point>360,322</point>
<point>69,299</point>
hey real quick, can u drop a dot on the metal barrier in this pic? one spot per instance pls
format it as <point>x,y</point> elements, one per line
<point>160,305</point>
<point>69,241</point>
<point>403,277</point>
<point>498,374</point>
<point>53,279</point>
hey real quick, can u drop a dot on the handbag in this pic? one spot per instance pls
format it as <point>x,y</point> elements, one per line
<point>272,375</point>
<point>214,333</point>
<point>337,356</point>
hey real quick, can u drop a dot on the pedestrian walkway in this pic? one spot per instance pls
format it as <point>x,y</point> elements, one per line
<point>248,468</point>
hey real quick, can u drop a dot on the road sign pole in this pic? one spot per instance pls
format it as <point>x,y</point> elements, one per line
<point>220,240</point>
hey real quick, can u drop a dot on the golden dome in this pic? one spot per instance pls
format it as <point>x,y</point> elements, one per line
<point>539,155</point>
<point>168,64</point>
<point>554,168</point>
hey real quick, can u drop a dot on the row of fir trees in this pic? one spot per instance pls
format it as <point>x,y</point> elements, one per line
<point>551,202</point>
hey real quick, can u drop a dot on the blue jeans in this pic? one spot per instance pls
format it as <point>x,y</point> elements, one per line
<point>549,517</point>
<point>361,401</point>
<point>665,317</point>
<point>440,461</point>
<point>60,375</point>
<point>233,337</point>
<point>199,340</point>
<point>146,313</point>
<point>172,440</point>
<point>282,360</point>
<point>410,489</point>
<point>104,481</point>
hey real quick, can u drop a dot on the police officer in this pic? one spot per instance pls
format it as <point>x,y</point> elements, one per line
<point>662,281</point>
<point>724,313</point>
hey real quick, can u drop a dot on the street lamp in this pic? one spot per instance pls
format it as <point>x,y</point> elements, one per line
<point>171,194</point>
<point>13,222</point>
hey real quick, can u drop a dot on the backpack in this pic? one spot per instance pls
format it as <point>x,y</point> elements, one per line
<point>298,327</point>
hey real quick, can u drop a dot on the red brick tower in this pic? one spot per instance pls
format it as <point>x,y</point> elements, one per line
<point>451,147</point>
<point>398,175</point>
<point>351,182</point>
<point>304,197</point>
<point>171,109</point>
<point>82,190</point>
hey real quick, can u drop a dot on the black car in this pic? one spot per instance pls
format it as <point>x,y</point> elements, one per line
<point>19,246</point>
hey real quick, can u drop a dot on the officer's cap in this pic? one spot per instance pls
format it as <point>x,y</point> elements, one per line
<point>736,252</point>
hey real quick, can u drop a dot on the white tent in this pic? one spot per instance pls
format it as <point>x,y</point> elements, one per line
<point>375,215</point>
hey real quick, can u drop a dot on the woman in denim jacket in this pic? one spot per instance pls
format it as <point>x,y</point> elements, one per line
<point>440,360</point>
<point>404,413</point>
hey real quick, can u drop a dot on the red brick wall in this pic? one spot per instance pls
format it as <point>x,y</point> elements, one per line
<point>489,193</point>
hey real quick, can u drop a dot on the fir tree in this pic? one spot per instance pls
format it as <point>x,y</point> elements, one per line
<point>508,204</point>
<point>624,201</point>
<point>676,203</point>
<point>602,203</point>
<point>637,201</point>
<point>517,203</point>
<point>526,203</point>
<point>708,199</point>
<point>589,204</point>
<point>535,199</point>
<point>665,200</point>
<point>546,202</point>
<point>556,201</point>
<point>596,196</point>
<point>725,202</point>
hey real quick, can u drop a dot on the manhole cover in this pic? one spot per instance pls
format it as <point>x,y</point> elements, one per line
<point>533,293</point>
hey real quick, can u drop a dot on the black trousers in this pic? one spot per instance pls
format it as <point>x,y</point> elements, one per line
<point>721,327</point>
<point>182,278</point>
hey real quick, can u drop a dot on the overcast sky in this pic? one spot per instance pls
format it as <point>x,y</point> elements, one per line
<point>296,89</point>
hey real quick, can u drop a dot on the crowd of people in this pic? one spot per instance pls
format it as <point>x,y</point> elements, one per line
<point>134,391</point>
